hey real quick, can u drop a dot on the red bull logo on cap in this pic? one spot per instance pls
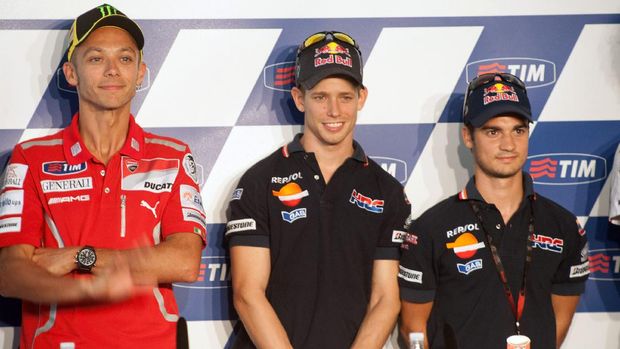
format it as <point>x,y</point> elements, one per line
<point>499,92</point>
<point>291,194</point>
<point>332,48</point>
<point>465,246</point>
<point>336,55</point>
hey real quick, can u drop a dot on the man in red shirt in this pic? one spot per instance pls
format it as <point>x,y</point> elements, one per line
<point>97,220</point>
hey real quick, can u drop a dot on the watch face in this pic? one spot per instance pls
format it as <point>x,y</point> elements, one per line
<point>87,257</point>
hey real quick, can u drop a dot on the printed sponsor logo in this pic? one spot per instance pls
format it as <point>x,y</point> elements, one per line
<point>396,167</point>
<point>332,53</point>
<point>499,92</point>
<point>367,203</point>
<point>462,229</point>
<point>236,195</point>
<point>152,209</point>
<point>214,273</point>
<point>76,149</point>
<point>534,72</point>
<point>290,194</point>
<point>132,165</point>
<point>294,215</point>
<point>10,225</point>
<point>547,243</point>
<point>73,184</point>
<point>14,176</point>
<point>61,168</point>
<point>152,175</point>
<point>470,266</point>
<point>566,168</point>
<point>287,179</point>
<point>409,274</point>
<point>279,76</point>
<point>11,202</point>
<point>189,165</point>
<point>580,270</point>
<point>398,236</point>
<point>190,198</point>
<point>240,225</point>
<point>191,215</point>
<point>604,264</point>
<point>465,246</point>
<point>68,199</point>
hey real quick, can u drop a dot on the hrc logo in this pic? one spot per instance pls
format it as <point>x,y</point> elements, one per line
<point>368,204</point>
<point>547,243</point>
<point>566,168</point>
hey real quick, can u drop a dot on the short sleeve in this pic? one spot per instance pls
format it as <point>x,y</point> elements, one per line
<point>184,212</point>
<point>391,236</point>
<point>416,276</point>
<point>248,213</point>
<point>574,269</point>
<point>21,211</point>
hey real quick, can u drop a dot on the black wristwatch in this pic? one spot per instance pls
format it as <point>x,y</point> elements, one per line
<point>86,258</point>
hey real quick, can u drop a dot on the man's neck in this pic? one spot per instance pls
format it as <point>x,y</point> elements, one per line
<point>329,157</point>
<point>505,193</point>
<point>104,132</point>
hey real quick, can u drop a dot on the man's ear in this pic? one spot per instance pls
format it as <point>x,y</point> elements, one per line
<point>468,137</point>
<point>70,72</point>
<point>298,98</point>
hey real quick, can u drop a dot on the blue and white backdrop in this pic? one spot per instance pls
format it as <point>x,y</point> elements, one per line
<point>219,78</point>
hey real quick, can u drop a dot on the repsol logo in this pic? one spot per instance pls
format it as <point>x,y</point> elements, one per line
<point>396,167</point>
<point>157,186</point>
<point>566,168</point>
<point>534,72</point>
<point>214,274</point>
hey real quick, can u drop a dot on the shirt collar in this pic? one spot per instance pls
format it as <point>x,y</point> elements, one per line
<point>295,146</point>
<point>470,192</point>
<point>76,152</point>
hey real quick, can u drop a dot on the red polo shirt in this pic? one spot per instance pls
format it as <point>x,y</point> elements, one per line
<point>56,194</point>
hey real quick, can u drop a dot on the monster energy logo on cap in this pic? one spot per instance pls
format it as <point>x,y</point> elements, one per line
<point>102,16</point>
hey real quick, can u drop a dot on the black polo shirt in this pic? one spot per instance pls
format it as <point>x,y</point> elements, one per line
<point>323,239</point>
<point>446,259</point>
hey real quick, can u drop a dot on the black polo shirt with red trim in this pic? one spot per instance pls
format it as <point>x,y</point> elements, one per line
<point>446,259</point>
<point>323,239</point>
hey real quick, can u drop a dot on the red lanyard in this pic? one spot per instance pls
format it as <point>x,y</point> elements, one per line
<point>517,309</point>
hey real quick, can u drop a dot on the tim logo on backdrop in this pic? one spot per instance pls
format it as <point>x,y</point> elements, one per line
<point>566,168</point>
<point>605,264</point>
<point>534,72</point>
<point>214,274</point>
<point>396,167</point>
<point>279,76</point>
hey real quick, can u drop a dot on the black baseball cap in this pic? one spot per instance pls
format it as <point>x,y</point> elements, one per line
<point>325,54</point>
<point>102,16</point>
<point>493,94</point>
